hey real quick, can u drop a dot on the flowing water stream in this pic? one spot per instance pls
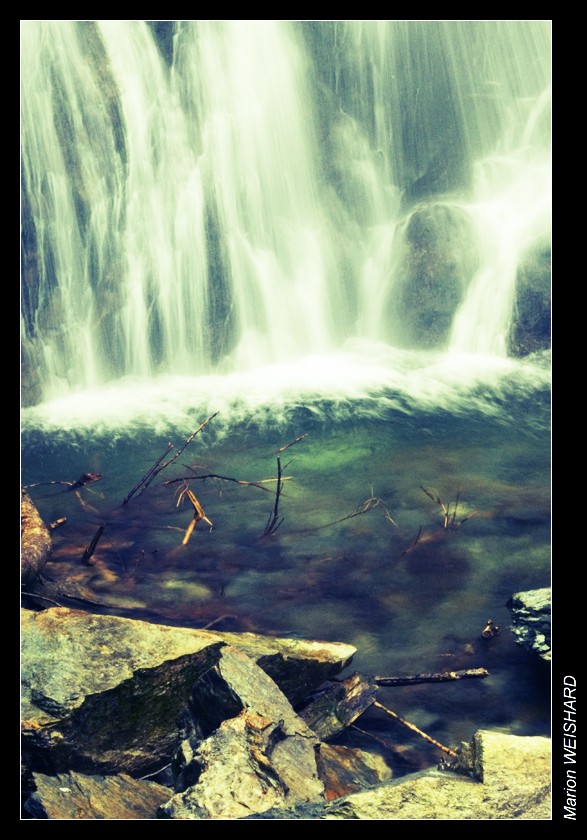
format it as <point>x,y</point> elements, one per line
<point>331,229</point>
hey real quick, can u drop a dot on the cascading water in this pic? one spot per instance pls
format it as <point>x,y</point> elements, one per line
<point>335,232</point>
<point>265,190</point>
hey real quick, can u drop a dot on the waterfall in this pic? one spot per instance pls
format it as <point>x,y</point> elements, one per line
<point>203,197</point>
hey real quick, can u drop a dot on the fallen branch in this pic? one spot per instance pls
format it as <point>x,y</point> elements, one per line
<point>226,478</point>
<point>92,546</point>
<point>445,676</point>
<point>449,520</point>
<point>274,522</point>
<point>415,729</point>
<point>159,467</point>
<point>86,478</point>
<point>287,445</point>
<point>148,476</point>
<point>198,513</point>
<point>360,510</point>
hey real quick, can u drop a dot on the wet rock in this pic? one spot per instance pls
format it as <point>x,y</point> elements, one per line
<point>298,666</point>
<point>74,796</point>
<point>347,770</point>
<point>516,784</point>
<point>249,765</point>
<point>236,683</point>
<point>35,540</point>
<point>531,616</point>
<point>103,694</point>
<point>531,330</point>
<point>337,704</point>
<point>439,262</point>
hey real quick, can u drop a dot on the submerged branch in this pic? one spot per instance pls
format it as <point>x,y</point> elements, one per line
<point>360,510</point>
<point>287,445</point>
<point>159,467</point>
<point>148,476</point>
<point>274,522</point>
<point>92,546</point>
<point>258,484</point>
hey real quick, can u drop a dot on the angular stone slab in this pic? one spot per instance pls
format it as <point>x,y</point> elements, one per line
<point>236,683</point>
<point>74,796</point>
<point>337,704</point>
<point>347,770</point>
<point>248,765</point>
<point>103,694</point>
<point>298,666</point>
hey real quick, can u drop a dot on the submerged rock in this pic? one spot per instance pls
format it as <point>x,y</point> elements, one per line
<point>531,616</point>
<point>74,796</point>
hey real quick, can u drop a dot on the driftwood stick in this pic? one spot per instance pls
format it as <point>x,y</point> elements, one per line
<point>287,445</point>
<point>445,676</point>
<point>258,484</point>
<point>274,522</point>
<point>415,729</point>
<point>92,546</point>
<point>189,440</point>
<point>158,466</point>
<point>148,476</point>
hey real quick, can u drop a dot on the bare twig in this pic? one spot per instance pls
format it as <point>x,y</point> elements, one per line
<point>287,445</point>
<point>415,729</point>
<point>158,466</point>
<point>217,621</point>
<point>258,484</point>
<point>148,476</point>
<point>414,544</point>
<point>449,520</point>
<point>198,513</point>
<point>274,522</point>
<point>85,478</point>
<point>360,510</point>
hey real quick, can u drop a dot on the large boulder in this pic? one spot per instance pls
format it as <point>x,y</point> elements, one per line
<point>103,694</point>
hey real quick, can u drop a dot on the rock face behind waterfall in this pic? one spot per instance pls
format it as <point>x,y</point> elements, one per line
<point>438,264</point>
<point>531,326</point>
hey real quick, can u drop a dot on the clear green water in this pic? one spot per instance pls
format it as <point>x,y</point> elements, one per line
<point>411,595</point>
